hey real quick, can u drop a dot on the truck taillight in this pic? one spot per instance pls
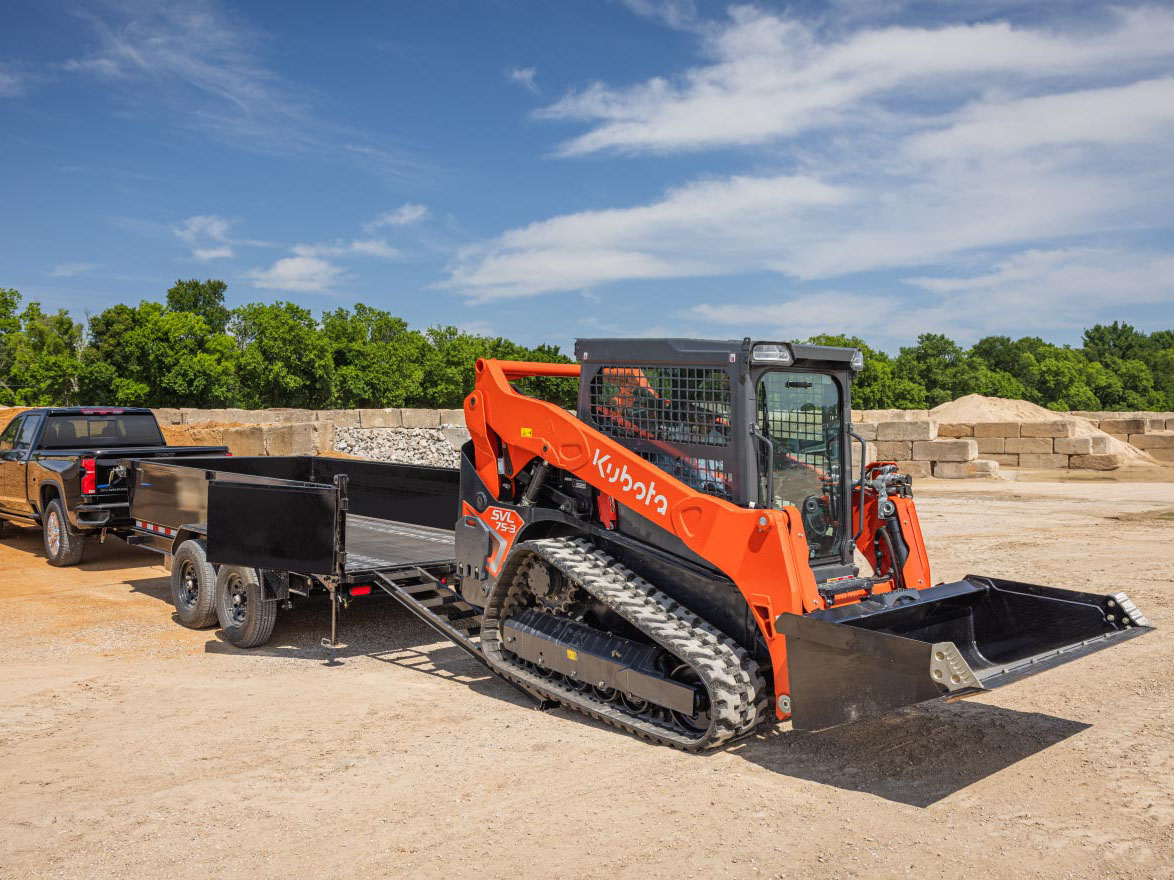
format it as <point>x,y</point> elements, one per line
<point>89,476</point>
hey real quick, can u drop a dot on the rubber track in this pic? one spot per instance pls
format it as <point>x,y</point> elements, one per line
<point>729,675</point>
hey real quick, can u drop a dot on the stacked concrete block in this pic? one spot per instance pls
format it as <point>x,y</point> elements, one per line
<point>979,468</point>
<point>916,468</point>
<point>244,440</point>
<point>1058,428</point>
<point>1123,427</point>
<point>1159,445</point>
<point>865,430</point>
<point>340,418</point>
<point>996,429</point>
<point>894,450</point>
<point>893,415</point>
<point>420,418</point>
<point>1042,460</point>
<point>381,418</point>
<point>963,449</point>
<point>908,430</point>
<point>1097,461</point>
<point>1028,445</point>
<point>949,430</point>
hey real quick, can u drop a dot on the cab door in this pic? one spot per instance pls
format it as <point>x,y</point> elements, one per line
<point>16,469</point>
<point>11,468</point>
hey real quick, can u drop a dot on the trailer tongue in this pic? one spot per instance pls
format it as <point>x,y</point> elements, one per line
<point>679,559</point>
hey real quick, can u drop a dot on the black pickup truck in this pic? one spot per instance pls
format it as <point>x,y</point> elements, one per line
<point>60,470</point>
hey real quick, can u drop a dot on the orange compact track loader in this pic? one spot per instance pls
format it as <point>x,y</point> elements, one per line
<point>679,559</point>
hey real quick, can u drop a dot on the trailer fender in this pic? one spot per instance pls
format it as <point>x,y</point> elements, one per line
<point>189,532</point>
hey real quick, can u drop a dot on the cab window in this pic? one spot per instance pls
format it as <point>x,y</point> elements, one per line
<point>28,430</point>
<point>8,437</point>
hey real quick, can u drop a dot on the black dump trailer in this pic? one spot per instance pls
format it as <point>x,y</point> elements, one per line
<point>243,535</point>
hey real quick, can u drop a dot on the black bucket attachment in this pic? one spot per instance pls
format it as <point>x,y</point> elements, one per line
<point>952,640</point>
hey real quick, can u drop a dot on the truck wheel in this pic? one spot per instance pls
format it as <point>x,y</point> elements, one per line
<point>193,586</point>
<point>61,546</point>
<point>245,615</point>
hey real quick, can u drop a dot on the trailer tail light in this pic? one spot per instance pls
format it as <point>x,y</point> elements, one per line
<point>89,476</point>
<point>364,590</point>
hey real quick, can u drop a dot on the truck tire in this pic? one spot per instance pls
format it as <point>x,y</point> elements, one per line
<point>193,586</point>
<point>246,617</point>
<point>62,547</point>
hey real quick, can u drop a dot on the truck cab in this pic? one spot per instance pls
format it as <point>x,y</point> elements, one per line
<point>60,470</point>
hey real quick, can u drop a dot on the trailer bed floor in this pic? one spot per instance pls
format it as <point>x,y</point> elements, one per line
<point>376,544</point>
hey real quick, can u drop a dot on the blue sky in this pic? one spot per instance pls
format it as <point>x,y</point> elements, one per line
<point>543,170</point>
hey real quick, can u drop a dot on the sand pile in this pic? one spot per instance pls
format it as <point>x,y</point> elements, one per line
<point>974,408</point>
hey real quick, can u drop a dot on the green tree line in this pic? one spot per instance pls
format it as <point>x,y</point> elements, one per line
<point>192,350</point>
<point>1116,368</point>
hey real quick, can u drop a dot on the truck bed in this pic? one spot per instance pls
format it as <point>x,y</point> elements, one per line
<point>379,544</point>
<point>302,513</point>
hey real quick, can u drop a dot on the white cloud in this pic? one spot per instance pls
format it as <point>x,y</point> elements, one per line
<point>407,214</point>
<point>678,14</point>
<point>774,77</point>
<point>69,270</point>
<point>1059,288</point>
<point>524,76</point>
<point>797,317</point>
<point>371,247</point>
<point>207,235</point>
<point>1032,291</point>
<point>201,67</point>
<point>702,229</point>
<point>297,274</point>
<point>902,148</point>
<point>12,84</point>
<point>1141,112</point>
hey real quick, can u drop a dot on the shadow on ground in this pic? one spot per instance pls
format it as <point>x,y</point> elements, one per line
<point>110,555</point>
<point>914,756</point>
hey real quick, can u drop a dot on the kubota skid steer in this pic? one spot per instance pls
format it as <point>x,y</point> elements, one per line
<point>678,560</point>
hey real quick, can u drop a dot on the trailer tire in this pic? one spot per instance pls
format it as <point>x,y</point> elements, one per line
<point>246,616</point>
<point>62,547</point>
<point>193,586</point>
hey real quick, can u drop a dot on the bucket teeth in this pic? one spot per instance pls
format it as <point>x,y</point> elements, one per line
<point>948,668</point>
<point>1130,610</point>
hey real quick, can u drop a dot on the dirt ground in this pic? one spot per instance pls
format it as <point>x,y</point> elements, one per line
<point>132,747</point>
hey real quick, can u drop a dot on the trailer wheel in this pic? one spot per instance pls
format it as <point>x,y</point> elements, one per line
<point>61,546</point>
<point>246,616</point>
<point>193,586</point>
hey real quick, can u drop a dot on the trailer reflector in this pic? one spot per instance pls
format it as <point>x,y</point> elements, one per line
<point>151,527</point>
<point>363,590</point>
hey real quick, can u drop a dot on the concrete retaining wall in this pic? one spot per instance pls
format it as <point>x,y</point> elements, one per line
<point>919,444</point>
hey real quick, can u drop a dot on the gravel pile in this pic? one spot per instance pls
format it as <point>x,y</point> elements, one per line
<point>424,446</point>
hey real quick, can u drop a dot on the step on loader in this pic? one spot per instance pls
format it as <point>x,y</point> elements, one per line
<point>701,549</point>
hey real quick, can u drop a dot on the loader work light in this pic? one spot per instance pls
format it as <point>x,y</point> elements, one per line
<point>772,353</point>
<point>857,362</point>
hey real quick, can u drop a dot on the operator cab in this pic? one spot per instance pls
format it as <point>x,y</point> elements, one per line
<point>757,423</point>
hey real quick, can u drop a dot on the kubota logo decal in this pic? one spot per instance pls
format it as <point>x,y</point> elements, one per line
<point>620,476</point>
